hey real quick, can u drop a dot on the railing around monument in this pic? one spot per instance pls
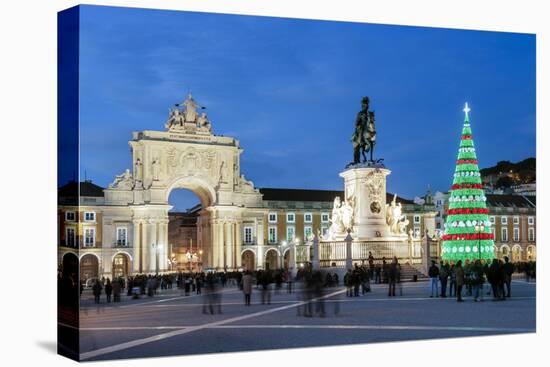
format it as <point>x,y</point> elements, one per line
<point>334,253</point>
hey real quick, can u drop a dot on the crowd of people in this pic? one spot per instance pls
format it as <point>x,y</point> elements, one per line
<point>447,279</point>
<point>450,278</point>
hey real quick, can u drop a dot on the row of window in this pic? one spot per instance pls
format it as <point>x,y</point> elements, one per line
<point>308,218</point>
<point>88,216</point>
<point>90,237</point>
<point>291,217</point>
<point>515,220</point>
<point>504,234</point>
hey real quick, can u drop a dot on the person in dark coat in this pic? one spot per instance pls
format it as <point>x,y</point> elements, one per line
<point>116,290</point>
<point>493,277</point>
<point>459,280</point>
<point>108,290</point>
<point>443,276</point>
<point>433,273</point>
<point>392,277</point>
<point>508,271</point>
<point>247,287</point>
<point>96,289</point>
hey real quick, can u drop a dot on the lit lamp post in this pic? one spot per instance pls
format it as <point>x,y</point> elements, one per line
<point>479,230</point>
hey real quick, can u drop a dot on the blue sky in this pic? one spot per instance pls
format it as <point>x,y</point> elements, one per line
<point>290,89</point>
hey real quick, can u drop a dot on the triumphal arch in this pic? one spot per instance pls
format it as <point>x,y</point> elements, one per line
<point>187,154</point>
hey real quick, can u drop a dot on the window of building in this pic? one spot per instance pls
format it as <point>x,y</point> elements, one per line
<point>438,202</point>
<point>516,220</point>
<point>308,233</point>
<point>417,218</point>
<point>272,235</point>
<point>503,220</point>
<point>290,233</point>
<point>516,234</point>
<point>324,217</point>
<point>272,217</point>
<point>70,237</point>
<point>89,216</point>
<point>290,218</point>
<point>492,219</point>
<point>494,232</point>
<point>416,232</point>
<point>89,237</point>
<point>504,234</point>
<point>247,234</point>
<point>70,216</point>
<point>530,220</point>
<point>308,218</point>
<point>324,230</point>
<point>531,234</point>
<point>122,236</point>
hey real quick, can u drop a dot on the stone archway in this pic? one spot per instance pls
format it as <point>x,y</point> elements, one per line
<point>286,259</point>
<point>531,253</point>
<point>186,155</point>
<point>121,265</point>
<point>516,253</point>
<point>89,267</point>
<point>271,259</point>
<point>248,260</point>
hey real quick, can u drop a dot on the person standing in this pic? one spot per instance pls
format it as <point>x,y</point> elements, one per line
<point>108,290</point>
<point>443,276</point>
<point>477,280</point>
<point>116,290</point>
<point>459,281</point>
<point>433,273</point>
<point>392,277</point>
<point>247,287</point>
<point>508,271</point>
<point>96,289</point>
<point>452,283</point>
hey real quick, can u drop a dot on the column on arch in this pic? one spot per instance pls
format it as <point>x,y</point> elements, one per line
<point>238,242</point>
<point>163,239</point>
<point>137,244</point>
<point>212,250</point>
<point>221,245</point>
<point>228,227</point>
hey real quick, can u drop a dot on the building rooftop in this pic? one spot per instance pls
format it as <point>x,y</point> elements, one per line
<point>69,191</point>
<point>517,201</point>
<point>275,194</point>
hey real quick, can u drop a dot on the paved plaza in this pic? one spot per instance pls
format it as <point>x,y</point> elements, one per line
<point>172,324</point>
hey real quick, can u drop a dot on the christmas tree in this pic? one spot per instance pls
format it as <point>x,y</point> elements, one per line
<point>468,232</point>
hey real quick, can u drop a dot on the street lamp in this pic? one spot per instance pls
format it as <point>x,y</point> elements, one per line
<point>480,228</point>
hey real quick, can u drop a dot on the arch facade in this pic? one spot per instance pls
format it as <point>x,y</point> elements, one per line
<point>531,253</point>
<point>186,155</point>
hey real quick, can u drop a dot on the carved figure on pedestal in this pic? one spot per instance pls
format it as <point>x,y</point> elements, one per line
<point>342,218</point>
<point>123,181</point>
<point>204,122</point>
<point>138,170</point>
<point>156,169</point>
<point>175,118</point>
<point>364,136</point>
<point>190,109</point>
<point>395,218</point>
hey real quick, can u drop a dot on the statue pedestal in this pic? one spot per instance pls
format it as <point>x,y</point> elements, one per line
<point>365,186</point>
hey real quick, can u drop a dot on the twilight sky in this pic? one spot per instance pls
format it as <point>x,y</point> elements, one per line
<point>290,89</point>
